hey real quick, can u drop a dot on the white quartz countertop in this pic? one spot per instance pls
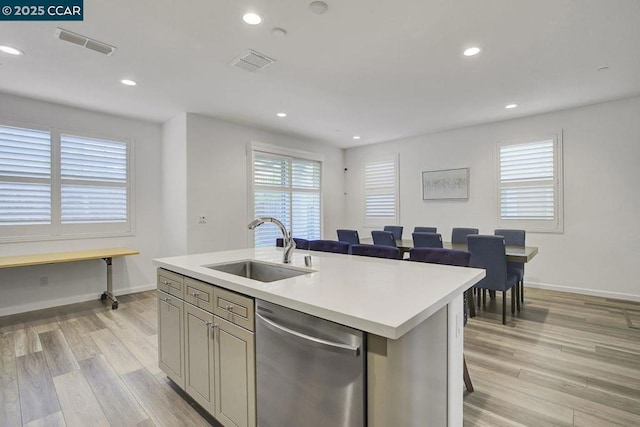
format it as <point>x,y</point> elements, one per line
<point>380,296</point>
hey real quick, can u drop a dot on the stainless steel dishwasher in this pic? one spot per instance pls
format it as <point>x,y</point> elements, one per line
<point>310,371</point>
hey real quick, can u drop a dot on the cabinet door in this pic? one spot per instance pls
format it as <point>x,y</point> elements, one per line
<point>235,375</point>
<point>171,337</point>
<point>199,356</point>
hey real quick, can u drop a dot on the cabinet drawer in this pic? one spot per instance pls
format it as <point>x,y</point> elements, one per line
<point>234,308</point>
<point>199,294</point>
<point>171,283</point>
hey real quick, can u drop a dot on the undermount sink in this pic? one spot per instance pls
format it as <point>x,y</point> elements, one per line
<point>259,271</point>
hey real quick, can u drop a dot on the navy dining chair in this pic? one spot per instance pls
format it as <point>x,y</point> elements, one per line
<point>514,238</point>
<point>349,236</point>
<point>385,238</point>
<point>449,257</point>
<point>376,251</point>
<point>300,243</point>
<point>396,230</point>
<point>329,246</point>
<point>459,235</point>
<point>425,230</point>
<point>427,240</point>
<point>488,252</point>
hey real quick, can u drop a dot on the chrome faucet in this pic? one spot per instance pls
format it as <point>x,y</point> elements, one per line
<point>287,241</point>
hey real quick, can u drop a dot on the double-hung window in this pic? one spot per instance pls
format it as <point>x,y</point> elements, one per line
<point>59,185</point>
<point>381,191</point>
<point>530,184</point>
<point>288,188</point>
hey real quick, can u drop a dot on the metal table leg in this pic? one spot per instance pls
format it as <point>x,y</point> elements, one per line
<point>109,293</point>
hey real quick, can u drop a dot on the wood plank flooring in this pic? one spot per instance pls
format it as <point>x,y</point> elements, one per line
<point>86,365</point>
<point>564,360</point>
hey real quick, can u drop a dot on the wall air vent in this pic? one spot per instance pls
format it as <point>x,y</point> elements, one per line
<point>84,41</point>
<point>252,61</point>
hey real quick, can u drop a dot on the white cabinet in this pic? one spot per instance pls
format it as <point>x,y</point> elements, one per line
<point>211,357</point>
<point>171,337</point>
<point>199,355</point>
<point>235,372</point>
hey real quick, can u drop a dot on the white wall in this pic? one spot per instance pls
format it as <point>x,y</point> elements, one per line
<point>217,181</point>
<point>598,251</point>
<point>20,288</point>
<point>173,185</point>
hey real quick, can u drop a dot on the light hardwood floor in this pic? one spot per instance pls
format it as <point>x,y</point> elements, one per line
<point>564,360</point>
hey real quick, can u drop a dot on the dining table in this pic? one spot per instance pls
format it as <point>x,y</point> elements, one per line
<point>514,253</point>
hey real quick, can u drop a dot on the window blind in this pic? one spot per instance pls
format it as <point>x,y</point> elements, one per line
<point>25,176</point>
<point>93,180</point>
<point>380,191</point>
<point>530,185</point>
<point>527,181</point>
<point>287,189</point>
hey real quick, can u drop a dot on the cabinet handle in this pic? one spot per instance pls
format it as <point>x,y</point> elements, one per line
<point>229,308</point>
<point>166,282</point>
<point>166,299</point>
<point>195,294</point>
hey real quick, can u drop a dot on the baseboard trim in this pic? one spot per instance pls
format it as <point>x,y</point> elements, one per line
<point>40,305</point>
<point>583,291</point>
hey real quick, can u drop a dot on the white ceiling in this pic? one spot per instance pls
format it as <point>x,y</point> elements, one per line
<point>380,69</point>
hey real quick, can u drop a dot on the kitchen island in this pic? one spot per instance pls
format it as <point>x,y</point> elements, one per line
<point>412,314</point>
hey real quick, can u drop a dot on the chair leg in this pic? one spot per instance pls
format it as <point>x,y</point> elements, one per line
<point>513,301</point>
<point>466,376</point>
<point>522,291</point>
<point>472,306</point>
<point>479,294</point>
<point>504,307</point>
<point>517,288</point>
<point>484,296</point>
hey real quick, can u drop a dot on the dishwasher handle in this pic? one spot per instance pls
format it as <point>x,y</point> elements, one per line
<point>316,342</point>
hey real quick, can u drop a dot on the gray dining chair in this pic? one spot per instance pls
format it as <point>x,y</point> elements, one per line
<point>329,246</point>
<point>385,238</point>
<point>425,230</point>
<point>427,240</point>
<point>488,252</point>
<point>514,238</point>
<point>396,230</point>
<point>376,251</point>
<point>459,235</point>
<point>349,236</point>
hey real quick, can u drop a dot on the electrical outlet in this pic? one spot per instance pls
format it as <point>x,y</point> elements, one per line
<point>202,219</point>
<point>44,281</point>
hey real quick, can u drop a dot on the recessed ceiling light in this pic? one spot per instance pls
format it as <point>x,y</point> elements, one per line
<point>318,7</point>
<point>281,114</point>
<point>128,82</point>
<point>605,68</point>
<point>279,33</point>
<point>510,106</point>
<point>11,50</point>
<point>472,51</point>
<point>252,18</point>
<point>356,137</point>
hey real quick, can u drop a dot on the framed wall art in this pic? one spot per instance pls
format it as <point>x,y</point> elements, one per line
<point>447,184</point>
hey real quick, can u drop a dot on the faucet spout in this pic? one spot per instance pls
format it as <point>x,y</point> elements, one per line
<point>287,241</point>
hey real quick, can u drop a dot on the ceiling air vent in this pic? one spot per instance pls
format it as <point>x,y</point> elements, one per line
<point>252,61</point>
<point>83,41</point>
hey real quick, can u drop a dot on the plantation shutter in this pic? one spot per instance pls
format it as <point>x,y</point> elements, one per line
<point>529,185</point>
<point>25,176</point>
<point>381,191</point>
<point>94,181</point>
<point>287,189</point>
